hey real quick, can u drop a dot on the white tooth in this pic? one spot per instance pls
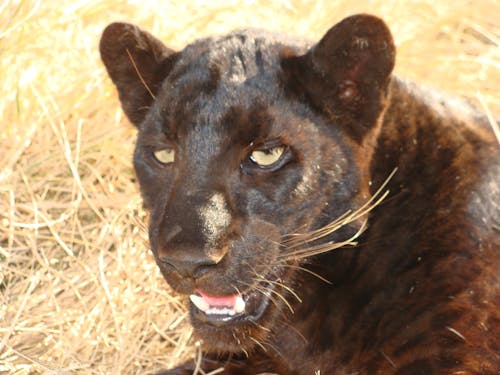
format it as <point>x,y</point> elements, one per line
<point>199,302</point>
<point>239,305</point>
<point>220,311</point>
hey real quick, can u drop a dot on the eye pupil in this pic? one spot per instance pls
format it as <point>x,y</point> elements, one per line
<point>164,156</point>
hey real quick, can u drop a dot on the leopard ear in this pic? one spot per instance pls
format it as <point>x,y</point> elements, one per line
<point>347,73</point>
<point>137,63</point>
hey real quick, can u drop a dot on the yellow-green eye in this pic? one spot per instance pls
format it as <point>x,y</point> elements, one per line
<point>164,156</point>
<point>266,158</point>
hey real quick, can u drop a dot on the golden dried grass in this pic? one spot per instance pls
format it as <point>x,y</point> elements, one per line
<point>79,290</point>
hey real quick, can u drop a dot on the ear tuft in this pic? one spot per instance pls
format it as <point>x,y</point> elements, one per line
<point>137,63</point>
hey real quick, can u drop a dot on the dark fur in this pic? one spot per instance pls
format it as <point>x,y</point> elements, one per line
<point>419,295</point>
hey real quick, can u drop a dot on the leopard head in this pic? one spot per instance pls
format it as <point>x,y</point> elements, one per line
<point>245,141</point>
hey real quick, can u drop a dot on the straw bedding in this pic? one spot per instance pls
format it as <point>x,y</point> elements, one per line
<point>79,291</point>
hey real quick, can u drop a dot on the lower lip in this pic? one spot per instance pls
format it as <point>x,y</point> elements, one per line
<point>216,320</point>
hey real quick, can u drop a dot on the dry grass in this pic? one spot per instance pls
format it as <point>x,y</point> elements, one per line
<point>79,290</point>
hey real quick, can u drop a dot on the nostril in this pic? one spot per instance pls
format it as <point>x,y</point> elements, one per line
<point>188,266</point>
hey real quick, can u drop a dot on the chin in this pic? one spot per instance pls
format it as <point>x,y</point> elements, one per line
<point>241,334</point>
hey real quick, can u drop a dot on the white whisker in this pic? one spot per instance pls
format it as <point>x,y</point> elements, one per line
<point>297,240</point>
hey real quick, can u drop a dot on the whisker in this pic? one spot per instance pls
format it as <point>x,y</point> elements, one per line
<point>305,270</point>
<point>344,219</point>
<point>236,338</point>
<point>262,291</point>
<point>265,267</point>
<point>323,248</point>
<point>239,343</point>
<point>260,326</point>
<point>292,292</point>
<point>301,238</point>
<point>331,244</point>
<point>258,343</point>
<point>244,351</point>
<point>273,347</point>
<point>297,240</point>
<point>266,292</point>
<point>282,298</point>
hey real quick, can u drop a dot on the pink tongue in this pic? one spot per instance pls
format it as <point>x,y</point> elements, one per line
<point>218,300</point>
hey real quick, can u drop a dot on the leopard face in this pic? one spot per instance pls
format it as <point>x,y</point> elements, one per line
<point>239,149</point>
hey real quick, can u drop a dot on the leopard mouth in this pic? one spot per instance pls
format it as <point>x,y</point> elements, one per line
<point>230,309</point>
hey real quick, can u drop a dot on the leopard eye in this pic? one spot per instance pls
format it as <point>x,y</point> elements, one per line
<point>266,158</point>
<point>164,156</point>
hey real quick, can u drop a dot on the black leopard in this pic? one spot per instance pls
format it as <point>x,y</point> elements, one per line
<point>320,214</point>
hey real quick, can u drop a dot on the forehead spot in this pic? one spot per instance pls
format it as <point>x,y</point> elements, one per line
<point>215,218</point>
<point>238,70</point>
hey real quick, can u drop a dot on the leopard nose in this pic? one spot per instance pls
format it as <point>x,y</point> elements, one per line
<point>189,265</point>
